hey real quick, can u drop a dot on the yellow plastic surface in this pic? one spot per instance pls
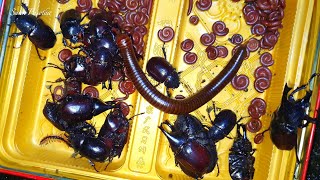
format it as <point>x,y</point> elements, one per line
<point>147,155</point>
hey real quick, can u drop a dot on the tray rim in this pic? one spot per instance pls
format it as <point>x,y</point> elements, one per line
<point>3,116</point>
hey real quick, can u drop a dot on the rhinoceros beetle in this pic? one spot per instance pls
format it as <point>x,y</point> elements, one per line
<point>100,33</point>
<point>163,72</point>
<point>223,123</point>
<point>70,26</point>
<point>72,109</point>
<point>241,159</point>
<point>289,117</point>
<point>109,143</point>
<point>76,108</point>
<point>194,152</point>
<point>98,70</point>
<point>39,33</point>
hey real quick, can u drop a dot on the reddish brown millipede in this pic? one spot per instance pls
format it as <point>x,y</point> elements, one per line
<point>164,103</point>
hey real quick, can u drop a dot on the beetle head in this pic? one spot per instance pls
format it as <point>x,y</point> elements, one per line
<point>25,23</point>
<point>50,111</point>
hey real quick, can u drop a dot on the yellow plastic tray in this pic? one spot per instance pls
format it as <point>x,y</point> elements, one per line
<point>147,155</point>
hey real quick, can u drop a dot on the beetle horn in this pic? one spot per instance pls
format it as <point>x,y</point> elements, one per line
<point>176,140</point>
<point>100,107</point>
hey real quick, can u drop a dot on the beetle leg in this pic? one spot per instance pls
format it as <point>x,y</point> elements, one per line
<point>56,81</point>
<point>93,165</point>
<point>205,126</point>
<point>14,35</point>
<point>168,92</point>
<point>218,169</point>
<point>25,7</point>
<point>84,17</point>
<point>52,94</point>
<point>209,109</point>
<point>75,154</point>
<point>23,38</point>
<point>64,41</point>
<point>107,165</point>
<point>309,120</point>
<point>110,84</point>
<point>41,58</point>
<point>296,151</point>
<point>53,66</point>
<point>104,85</point>
<point>242,118</point>
<point>215,108</point>
<point>164,51</point>
<point>244,131</point>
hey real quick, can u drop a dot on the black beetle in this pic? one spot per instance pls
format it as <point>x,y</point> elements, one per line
<point>73,109</point>
<point>241,159</point>
<point>70,26</point>
<point>289,117</point>
<point>163,72</point>
<point>100,33</point>
<point>99,69</point>
<point>109,143</point>
<point>194,152</point>
<point>222,125</point>
<point>40,34</point>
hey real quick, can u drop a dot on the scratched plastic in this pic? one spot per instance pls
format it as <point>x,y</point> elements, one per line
<point>147,155</point>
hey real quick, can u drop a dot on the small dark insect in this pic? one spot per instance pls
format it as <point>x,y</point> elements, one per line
<point>163,72</point>
<point>109,143</point>
<point>40,34</point>
<point>241,158</point>
<point>70,26</point>
<point>194,152</point>
<point>222,125</point>
<point>289,117</point>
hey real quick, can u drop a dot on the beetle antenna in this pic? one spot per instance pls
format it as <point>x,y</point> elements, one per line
<point>135,116</point>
